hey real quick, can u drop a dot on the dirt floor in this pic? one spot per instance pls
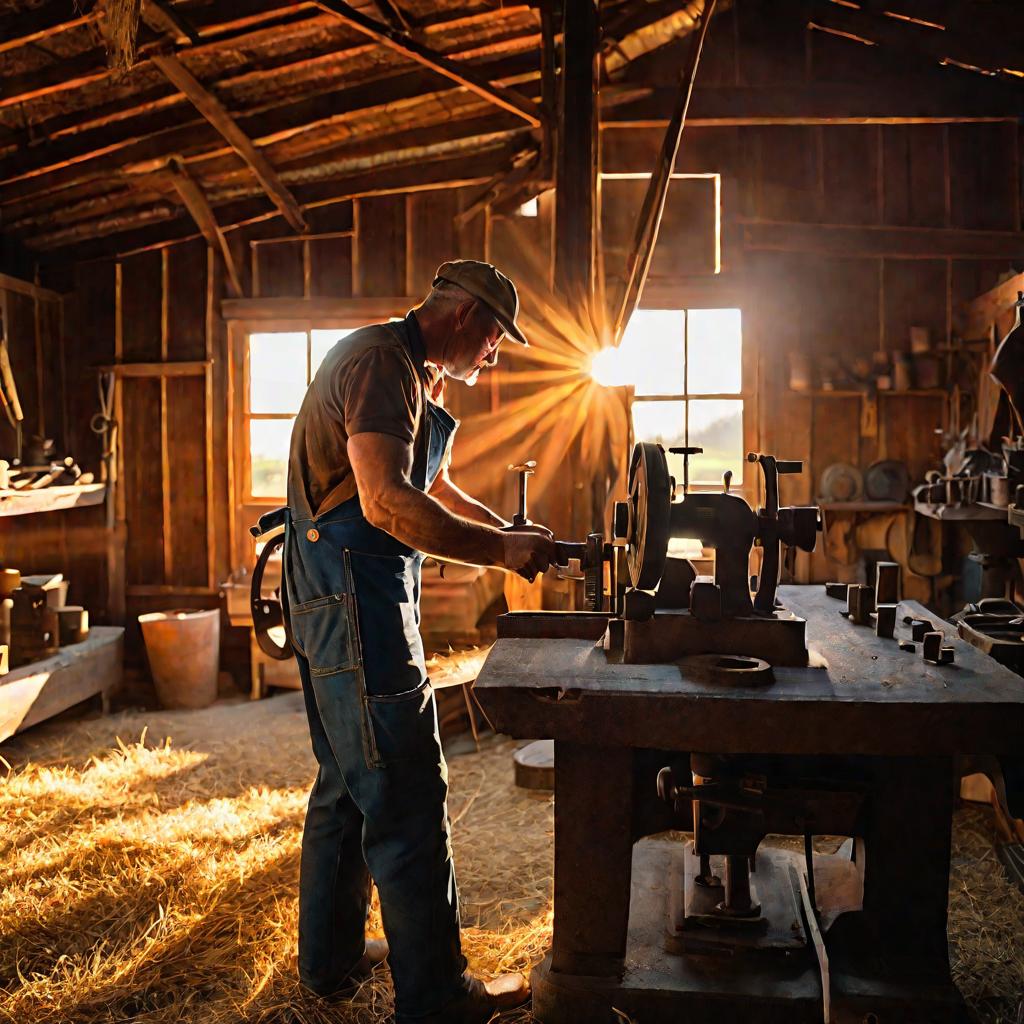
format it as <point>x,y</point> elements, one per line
<point>148,867</point>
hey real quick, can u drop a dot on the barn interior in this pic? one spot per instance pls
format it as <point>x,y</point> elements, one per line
<point>770,261</point>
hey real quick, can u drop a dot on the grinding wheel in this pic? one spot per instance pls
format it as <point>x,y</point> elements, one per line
<point>650,501</point>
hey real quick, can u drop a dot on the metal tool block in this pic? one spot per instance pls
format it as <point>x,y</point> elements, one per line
<point>860,602</point>
<point>885,620</point>
<point>887,583</point>
<point>637,605</point>
<point>933,650</point>
<point>668,636</point>
<point>706,601</point>
<point>836,590</point>
<point>918,628</point>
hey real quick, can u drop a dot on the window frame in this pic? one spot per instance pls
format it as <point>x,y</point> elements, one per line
<point>719,292</point>
<point>246,508</point>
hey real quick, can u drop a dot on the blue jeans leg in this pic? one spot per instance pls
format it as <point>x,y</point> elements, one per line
<point>334,882</point>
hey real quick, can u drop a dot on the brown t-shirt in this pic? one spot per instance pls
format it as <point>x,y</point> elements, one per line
<point>367,383</point>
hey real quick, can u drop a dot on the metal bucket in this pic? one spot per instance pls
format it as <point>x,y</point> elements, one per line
<point>183,646</point>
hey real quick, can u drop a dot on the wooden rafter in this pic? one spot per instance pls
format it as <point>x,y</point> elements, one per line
<point>459,73</point>
<point>915,99</point>
<point>122,109</point>
<point>872,240</point>
<point>164,19</point>
<point>213,110</point>
<point>393,15</point>
<point>428,141</point>
<point>42,23</point>
<point>414,176</point>
<point>161,120</point>
<point>222,24</point>
<point>273,124</point>
<point>201,212</point>
<point>649,219</point>
<point>934,43</point>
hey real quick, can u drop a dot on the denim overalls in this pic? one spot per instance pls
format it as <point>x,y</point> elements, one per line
<point>379,804</point>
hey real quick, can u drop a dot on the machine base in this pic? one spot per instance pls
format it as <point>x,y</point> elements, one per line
<point>780,640</point>
<point>658,987</point>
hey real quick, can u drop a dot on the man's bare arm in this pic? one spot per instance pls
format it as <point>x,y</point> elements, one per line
<point>458,502</point>
<point>382,465</point>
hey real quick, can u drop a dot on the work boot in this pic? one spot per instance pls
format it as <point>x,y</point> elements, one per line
<point>482,1001</point>
<point>376,953</point>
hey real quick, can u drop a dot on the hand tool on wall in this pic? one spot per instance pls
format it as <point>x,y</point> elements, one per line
<point>8,391</point>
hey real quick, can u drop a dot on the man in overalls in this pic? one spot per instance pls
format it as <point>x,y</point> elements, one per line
<point>367,492</point>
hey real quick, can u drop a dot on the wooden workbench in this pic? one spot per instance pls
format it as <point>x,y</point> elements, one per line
<point>32,693</point>
<point>894,721</point>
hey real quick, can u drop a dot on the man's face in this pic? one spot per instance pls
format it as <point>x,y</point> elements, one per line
<point>476,336</point>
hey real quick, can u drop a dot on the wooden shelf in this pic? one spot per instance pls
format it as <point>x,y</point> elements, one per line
<point>50,499</point>
<point>858,393</point>
<point>866,505</point>
<point>32,693</point>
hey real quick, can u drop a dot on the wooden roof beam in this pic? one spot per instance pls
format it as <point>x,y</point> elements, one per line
<point>201,212</point>
<point>871,240</point>
<point>414,176</point>
<point>501,96</point>
<point>929,98</point>
<point>932,43</point>
<point>85,160</point>
<point>213,110</point>
<point>42,23</point>
<point>223,22</point>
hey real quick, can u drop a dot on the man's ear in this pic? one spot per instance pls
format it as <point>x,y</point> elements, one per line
<point>463,311</point>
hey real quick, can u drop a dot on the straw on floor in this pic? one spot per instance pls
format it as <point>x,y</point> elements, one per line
<point>154,879</point>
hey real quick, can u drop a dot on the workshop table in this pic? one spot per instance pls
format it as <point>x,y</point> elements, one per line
<point>903,719</point>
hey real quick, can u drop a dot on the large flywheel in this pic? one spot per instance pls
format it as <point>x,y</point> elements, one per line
<point>650,500</point>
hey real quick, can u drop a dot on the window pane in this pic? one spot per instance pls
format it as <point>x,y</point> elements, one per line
<point>277,371</point>
<point>714,349</point>
<point>717,427</point>
<point>268,447</point>
<point>653,344</point>
<point>664,423</point>
<point>322,343</point>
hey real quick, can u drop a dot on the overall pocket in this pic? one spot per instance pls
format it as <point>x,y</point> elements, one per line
<point>405,725</point>
<point>325,634</point>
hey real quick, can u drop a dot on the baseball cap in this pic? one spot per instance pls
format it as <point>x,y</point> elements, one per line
<point>490,286</point>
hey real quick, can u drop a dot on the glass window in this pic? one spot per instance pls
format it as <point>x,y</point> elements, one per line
<point>281,366</point>
<point>685,364</point>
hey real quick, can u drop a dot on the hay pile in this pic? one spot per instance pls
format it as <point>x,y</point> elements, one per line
<point>155,881</point>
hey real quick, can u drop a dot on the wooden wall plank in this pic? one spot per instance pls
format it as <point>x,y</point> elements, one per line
<point>787,168</point>
<point>331,267</point>
<point>141,482</point>
<point>279,269</point>
<point>431,236</point>
<point>913,295</point>
<point>52,372</point>
<point>186,282</point>
<point>913,163</point>
<point>850,164</point>
<point>187,526</point>
<point>381,246</point>
<point>983,176</point>
<point>142,277</point>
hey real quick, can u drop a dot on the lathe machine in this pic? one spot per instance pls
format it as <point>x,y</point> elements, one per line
<point>730,708</point>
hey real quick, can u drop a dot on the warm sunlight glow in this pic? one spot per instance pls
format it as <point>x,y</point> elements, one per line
<point>610,368</point>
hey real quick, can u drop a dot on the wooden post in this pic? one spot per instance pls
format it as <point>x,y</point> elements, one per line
<point>577,199</point>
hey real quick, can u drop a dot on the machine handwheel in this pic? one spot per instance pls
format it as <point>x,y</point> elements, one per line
<point>650,500</point>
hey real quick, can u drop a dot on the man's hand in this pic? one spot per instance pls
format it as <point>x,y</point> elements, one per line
<point>528,550</point>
